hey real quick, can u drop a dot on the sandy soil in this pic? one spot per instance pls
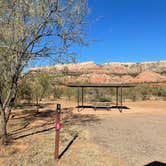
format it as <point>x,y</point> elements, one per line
<point>137,136</point>
<point>34,136</point>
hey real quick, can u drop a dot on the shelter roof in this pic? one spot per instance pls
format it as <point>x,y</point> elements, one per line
<point>100,85</point>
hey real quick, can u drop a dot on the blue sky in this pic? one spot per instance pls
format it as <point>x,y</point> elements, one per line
<point>126,31</point>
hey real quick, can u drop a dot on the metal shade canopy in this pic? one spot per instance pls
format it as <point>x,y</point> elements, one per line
<point>100,85</point>
<point>90,85</point>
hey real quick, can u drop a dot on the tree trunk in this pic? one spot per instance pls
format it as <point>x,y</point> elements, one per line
<point>4,136</point>
<point>37,106</point>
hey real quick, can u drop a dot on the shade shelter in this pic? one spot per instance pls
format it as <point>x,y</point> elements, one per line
<point>119,94</point>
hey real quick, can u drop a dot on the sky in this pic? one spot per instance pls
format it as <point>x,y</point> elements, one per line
<point>125,31</point>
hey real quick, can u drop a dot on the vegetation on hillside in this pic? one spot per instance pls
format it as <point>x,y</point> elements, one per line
<point>54,89</point>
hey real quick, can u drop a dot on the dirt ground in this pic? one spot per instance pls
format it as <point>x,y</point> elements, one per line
<point>134,137</point>
<point>137,136</point>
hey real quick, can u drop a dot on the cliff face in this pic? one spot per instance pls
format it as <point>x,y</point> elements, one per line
<point>131,68</point>
<point>109,72</point>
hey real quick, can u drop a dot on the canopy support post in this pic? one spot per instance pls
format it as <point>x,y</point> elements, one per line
<point>117,96</point>
<point>78,98</point>
<point>82,96</point>
<point>121,99</point>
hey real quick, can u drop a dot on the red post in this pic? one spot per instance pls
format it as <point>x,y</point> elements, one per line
<point>57,129</point>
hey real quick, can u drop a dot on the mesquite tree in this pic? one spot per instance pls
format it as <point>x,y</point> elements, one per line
<point>32,29</point>
<point>41,87</point>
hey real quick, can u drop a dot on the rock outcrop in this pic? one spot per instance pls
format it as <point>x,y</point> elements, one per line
<point>109,72</point>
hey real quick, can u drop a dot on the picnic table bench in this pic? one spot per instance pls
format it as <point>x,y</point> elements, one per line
<point>102,105</point>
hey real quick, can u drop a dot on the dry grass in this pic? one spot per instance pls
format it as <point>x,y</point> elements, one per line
<point>34,136</point>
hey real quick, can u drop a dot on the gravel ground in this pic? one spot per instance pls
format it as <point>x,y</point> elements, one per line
<point>137,139</point>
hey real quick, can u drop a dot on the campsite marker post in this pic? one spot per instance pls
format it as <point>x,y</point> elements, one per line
<point>57,129</point>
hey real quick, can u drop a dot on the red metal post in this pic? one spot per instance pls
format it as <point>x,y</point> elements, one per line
<point>57,134</point>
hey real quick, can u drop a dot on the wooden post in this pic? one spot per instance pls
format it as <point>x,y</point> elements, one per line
<point>57,134</point>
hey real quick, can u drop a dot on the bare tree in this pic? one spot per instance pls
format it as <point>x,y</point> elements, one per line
<point>31,29</point>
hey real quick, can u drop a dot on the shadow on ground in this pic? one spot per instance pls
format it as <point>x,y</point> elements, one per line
<point>156,163</point>
<point>47,121</point>
<point>68,146</point>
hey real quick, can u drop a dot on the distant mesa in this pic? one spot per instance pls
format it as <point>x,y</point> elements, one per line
<point>149,76</point>
<point>113,72</point>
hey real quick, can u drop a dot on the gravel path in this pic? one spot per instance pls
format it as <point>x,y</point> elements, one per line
<point>137,139</point>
